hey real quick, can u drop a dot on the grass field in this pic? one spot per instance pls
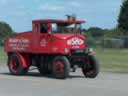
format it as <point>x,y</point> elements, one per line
<point>3,56</point>
<point>112,60</point>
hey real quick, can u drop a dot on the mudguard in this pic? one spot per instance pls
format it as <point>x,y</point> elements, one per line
<point>25,60</point>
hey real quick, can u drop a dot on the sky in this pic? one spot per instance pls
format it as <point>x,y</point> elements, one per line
<point>97,13</point>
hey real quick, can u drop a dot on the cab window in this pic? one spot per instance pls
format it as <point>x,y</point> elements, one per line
<point>79,28</point>
<point>43,28</point>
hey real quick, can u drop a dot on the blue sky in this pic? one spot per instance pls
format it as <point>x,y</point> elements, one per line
<point>20,13</point>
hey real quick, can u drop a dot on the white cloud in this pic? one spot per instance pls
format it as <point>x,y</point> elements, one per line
<point>49,7</point>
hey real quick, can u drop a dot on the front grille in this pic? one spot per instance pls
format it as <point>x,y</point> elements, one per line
<point>77,54</point>
<point>78,51</point>
<point>77,58</point>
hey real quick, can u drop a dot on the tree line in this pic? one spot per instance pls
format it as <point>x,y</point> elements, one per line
<point>5,32</point>
<point>111,38</point>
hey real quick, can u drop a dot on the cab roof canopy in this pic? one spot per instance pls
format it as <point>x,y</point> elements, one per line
<point>58,21</point>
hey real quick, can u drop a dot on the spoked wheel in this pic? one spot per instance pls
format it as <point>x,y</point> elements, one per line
<point>15,65</point>
<point>61,67</point>
<point>91,69</point>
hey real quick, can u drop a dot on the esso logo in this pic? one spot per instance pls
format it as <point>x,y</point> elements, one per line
<point>75,41</point>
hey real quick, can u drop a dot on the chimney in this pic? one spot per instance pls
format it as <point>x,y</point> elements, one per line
<point>71,17</point>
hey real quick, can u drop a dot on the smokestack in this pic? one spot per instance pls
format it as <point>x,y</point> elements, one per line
<point>71,17</point>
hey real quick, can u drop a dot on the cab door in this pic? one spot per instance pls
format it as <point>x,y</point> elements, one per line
<point>35,38</point>
<point>44,38</point>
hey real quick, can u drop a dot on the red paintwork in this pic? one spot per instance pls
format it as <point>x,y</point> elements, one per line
<point>58,68</point>
<point>39,43</point>
<point>14,65</point>
<point>57,21</point>
<point>25,60</point>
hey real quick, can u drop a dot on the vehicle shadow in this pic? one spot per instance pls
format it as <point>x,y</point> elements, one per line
<point>38,75</point>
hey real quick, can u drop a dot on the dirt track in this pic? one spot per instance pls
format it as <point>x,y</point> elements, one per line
<point>106,84</point>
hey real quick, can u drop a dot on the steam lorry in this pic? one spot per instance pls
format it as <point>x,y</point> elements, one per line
<point>53,46</point>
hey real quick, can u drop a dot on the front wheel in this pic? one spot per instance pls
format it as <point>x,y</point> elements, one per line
<point>91,69</point>
<point>61,67</point>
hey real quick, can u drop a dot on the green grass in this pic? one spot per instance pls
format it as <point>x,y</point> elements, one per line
<point>112,60</point>
<point>3,56</point>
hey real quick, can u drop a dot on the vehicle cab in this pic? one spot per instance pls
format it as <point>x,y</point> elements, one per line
<point>57,36</point>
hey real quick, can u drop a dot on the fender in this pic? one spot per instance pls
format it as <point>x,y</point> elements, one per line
<point>25,60</point>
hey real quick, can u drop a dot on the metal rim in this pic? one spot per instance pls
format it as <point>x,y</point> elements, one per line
<point>58,68</point>
<point>14,65</point>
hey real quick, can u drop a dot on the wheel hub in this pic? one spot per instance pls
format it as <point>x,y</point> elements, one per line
<point>59,67</point>
<point>14,65</point>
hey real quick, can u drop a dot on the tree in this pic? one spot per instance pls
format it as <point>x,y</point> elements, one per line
<point>123,18</point>
<point>96,32</point>
<point>5,31</point>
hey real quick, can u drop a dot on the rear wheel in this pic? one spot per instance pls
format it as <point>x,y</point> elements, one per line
<point>15,65</point>
<point>61,67</point>
<point>91,69</point>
